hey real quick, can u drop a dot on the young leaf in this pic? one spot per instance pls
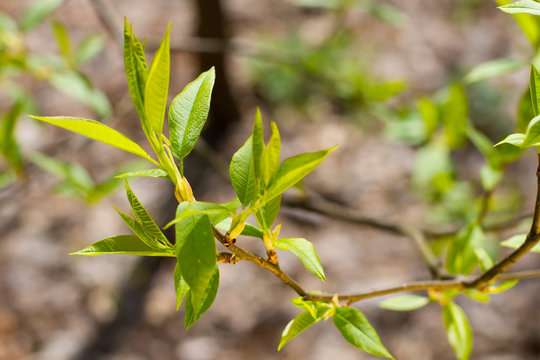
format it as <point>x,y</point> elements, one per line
<point>270,211</point>
<point>200,207</point>
<point>157,85</point>
<point>249,230</point>
<point>62,38</point>
<point>9,146</point>
<point>155,173</point>
<point>305,251</point>
<point>493,68</point>
<point>122,244</point>
<point>144,218</point>
<point>405,302</point>
<point>37,12</point>
<point>258,146</point>
<point>188,113</point>
<point>97,131</point>
<point>196,252</point>
<point>535,89</point>
<point>294,169</point>
<point>528,23</point>
<point>136,72</point>
<point>193,313</point>
<point>297,325</point>
<point>518,240</point>
<point>356,329</point>
<point>458,330</point>
<point>513,139</point>
<point>271,155</point>
<point>88,49</point>
<point>522,7</point>
<point>461,257</point>
<point>242,174</point>
<point>455,114</point>
<point>180,286</point>
<point>139,230</point>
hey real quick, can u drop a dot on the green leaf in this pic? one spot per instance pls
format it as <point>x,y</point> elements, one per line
<point>188,113</point>
<point>461,257</point>
<point>136,72</point>
<point>490,177</point>
<point>88,49</point>
<point>139,230</point>
<point>455,115</point>
<point>196,252</point>
<point>194,309</point>
<point>75,85</point>
<point>155,173</point>
<point>525,111</point>
<point>97,131</point>
<point>144,218</point>
<point>9,146</point>
<point>258,147</point>
<point>535,89</point>
<point>73,174</point>
<point>522,7</point>
<point>190,208</point>
<point>271,155</point>
<point>294,169</point>
<point>249,230</point>
<point>270,211</point>
<point>157,85</point>
<point>504,286</point>
<point>180,286</point>
<point>242,174</point>
<point>122,244</point>
<point>39,9</point>
<point>458,330</point>
<point>405,302</point>
<point>305,251</point>
<point>297,325</point>
<point>493,68</point>
<point>484,259</point>
<point>430,114</point>
<point>476,295</point>
<point>518,240</point>
<point>528,23</point>
<point>356,329</point>
<point>532,136</point>
<point>62,39</point>
<point>513,139</point>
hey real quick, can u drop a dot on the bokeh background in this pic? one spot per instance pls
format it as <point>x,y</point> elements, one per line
<point>329,73</point>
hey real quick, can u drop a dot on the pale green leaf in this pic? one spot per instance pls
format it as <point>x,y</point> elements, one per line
<point>458,330</point>
<point>461,257</point>
<point>155,173</point>
<point>513,139</point>
<point>535,89</point>
<point>195,310</point>
<point>190,208</point>
<point>528,23</point>
<point>455,115</point>
<point>297,325</point>
<point>294,169</point>
<point>188,113</point>
<point>122,244</point>
<point>249,230</point>
<point>157,85</point>
<point>258,147</point>
<point>271,155</point>
<point>89,48</point>
<point>405,302</point>
<point>522,7</point>
<point>518,240</point>
<point>97,131</point>
<point>62,39</point>
<point>38,10</point>
<point>196,253</point>
<point>532,136</point>
<point>242,174</point>
<point>493,68</point>
<point>356,329</point>
<point>305,251</point>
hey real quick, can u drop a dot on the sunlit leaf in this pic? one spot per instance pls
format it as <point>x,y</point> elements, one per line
<point>305,251</point>
<point>405,302</point>
<point>297,325</point>
<point>122,244</point>
<point>518,240</point>
<point>458,330</point>
<point>180,286</point>
<point>242,174</point>
<point>195,310</point>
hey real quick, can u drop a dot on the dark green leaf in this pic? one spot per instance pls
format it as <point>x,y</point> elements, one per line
<point>405,302</point>
<point>193,313</point>
<point>356,329</point>
<point>157,85</point>
<point>294,169</point>
<point>305,251</point>
<point>458,330</point>
<point>242,174</point>
<point>97,131</point>
<point>196,252</point>
<point>122,244</point>
<point>188,113</point>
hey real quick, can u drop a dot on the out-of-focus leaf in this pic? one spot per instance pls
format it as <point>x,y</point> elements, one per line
<point>458,330</point>
<point>493,68</point>
<point>89,48</point>
<point>527,22</point>
<point>64,44</point>
<point>37,11</point>
<point>522,7</point>
<point>405,302</point>
<point>455,115</point>
<point>518,240</point>
<point>461,257</point>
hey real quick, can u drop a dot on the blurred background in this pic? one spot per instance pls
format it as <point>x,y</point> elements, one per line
<point>378,78</point>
